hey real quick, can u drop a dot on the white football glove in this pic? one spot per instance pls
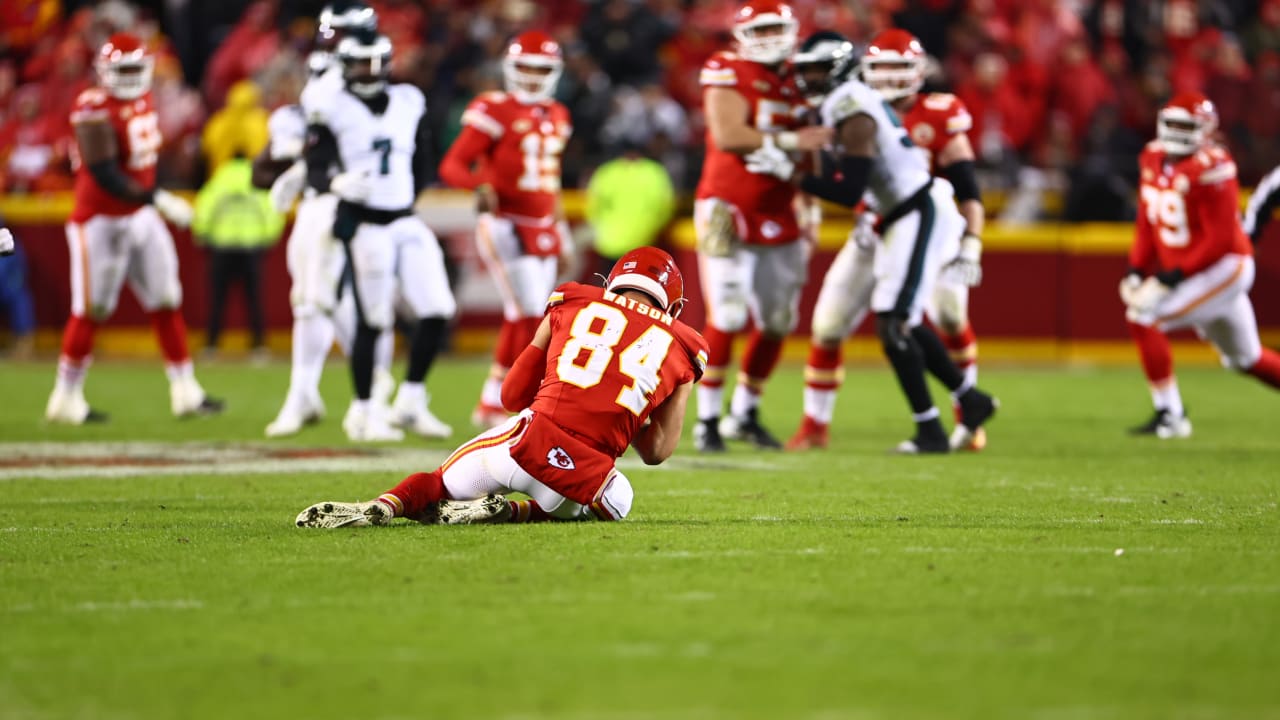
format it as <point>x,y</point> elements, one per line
<point>285,190</point>
<point>173,208</point>
<point>6,241</point>
<point>769,159</point>
<point>1143,301</point>
<point>286,148</point>
<point>1129,288</point>
<point>863,233</point>
<point>966,268</point>
<point>352,186</point>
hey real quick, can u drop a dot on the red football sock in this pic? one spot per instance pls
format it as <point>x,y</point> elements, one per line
<point>1267,369</point>
<point>719,352</point>
<point>963,346</point>
<point>77,339</point>
<point>527,511</point>
<point>760,359</point>
<point>823,370</point>
<point>513,337</point>
<point>1153,348</point>
<point>171,333</point>
<point>412,496</point>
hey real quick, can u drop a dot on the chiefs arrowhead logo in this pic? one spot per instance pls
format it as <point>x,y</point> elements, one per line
<point>557,457</point>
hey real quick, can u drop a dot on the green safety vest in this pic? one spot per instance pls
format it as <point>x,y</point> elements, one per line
<point>232,214</point>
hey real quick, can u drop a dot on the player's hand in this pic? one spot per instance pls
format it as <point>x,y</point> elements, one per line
<point>285,190</point>
<point>1129,288</point>
<point>1143,301</point>
<point>6,241</point>
<point>966,268</point>
<point>352,186</point>
<point>769,159</point>
<point>486,199</point>
<point>173,208</point>
<point>863,233</point>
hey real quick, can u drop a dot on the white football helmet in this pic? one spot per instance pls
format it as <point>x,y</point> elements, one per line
<point>532,67</point>
<point>766,31</point>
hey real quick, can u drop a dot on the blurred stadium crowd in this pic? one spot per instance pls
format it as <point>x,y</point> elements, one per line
<point>1063,92</point>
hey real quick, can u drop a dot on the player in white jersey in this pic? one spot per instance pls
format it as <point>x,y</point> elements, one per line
<point>378,134</point>
<point>315,259</point>
<point>920,229</point>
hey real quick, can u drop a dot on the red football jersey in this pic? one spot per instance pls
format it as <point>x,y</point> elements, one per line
<point>934,120</point>
<point>610,362</point>
<point>521,156</point>
<point>1188,216</point>
<point>772,105</point>
<point>138,143</point>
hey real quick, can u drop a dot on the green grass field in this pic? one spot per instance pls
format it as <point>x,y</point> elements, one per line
<point>842,584</point>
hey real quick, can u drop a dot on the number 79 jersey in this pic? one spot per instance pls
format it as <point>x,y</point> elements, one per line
<point>138,140</point>
<point>381,145</point>
<point>610,362</point>
<point>1187,211</point>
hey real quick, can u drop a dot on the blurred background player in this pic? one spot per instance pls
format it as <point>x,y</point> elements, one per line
<point>607,368</point>
<point>115,232</point>
<point>921,230</point>
<point>1191,264</point>
<point>509,153</point>
<point>1262,206</point>
<point>894,66</point>
<point>751,255</point>
<point>315,259</point>
<point>630,201</point>
<point>378,133</point>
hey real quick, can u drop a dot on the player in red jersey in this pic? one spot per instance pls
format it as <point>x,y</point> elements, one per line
<point>608,367</point>
<point>1191,264</point>
<point>115,232</point>
<point>752,251</point>
<point>894,66</point>
<point>509,153</point>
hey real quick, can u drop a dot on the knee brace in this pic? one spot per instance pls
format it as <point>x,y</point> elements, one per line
<point>731,313</point>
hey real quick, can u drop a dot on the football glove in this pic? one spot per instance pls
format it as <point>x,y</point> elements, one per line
<point>173,208</point>
<point>285,190</point>
<point>863,233</point>
<point>769,159</point>
<point>6,241</point>
<point>352,186</point>
<point>966,268</point>
<point>1129,288</point>
<point>1143,301</point>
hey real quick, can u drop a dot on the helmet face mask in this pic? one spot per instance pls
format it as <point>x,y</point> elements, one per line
<point>125,67</point>
<point>766,31</point>
<point>653,272</point>
<point>821,64</point>
<point>366,63</point>
<point>1184,125</point>
<point>532,67</point>
<point>894,65</point>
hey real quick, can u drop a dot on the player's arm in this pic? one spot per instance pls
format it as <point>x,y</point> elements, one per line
<point>845,180</point>
<point>525,376</point>
<point>320,154</point>
<point>266,169</point>
<point>727,114</point>
<point>96,143</point>
<point>656,441</point>
<point>1262,205</point>
<point>458,167</point>
<point>424,156</point>
<point>956,164</point>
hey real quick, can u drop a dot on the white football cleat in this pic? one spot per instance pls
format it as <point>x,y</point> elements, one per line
<point>487,510</point>
<point>330,515</point>
<point>363,425</point>
<point>187,399</point>
<point>294,415</point>
<point>410,411</point>
<point>68,406</point>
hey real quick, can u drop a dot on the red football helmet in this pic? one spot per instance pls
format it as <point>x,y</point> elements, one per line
<point>894,64</point>
<point>124,66</point>
<point>653,272</point>
<point>766,31</point>
<point>1185,123</point>
<point>532,66</point>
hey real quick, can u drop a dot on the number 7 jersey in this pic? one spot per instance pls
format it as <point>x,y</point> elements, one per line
<point>1188,215</point>
<point>610,362</point>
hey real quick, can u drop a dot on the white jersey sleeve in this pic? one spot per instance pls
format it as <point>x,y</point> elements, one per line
<point>319,95</point>
<point>287,128</point>
<point>900,168</point>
